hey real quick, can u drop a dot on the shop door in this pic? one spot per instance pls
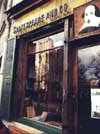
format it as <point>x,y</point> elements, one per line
<point>88,82</point>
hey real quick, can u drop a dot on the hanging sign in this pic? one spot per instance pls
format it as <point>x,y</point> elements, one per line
<point>87,19</point>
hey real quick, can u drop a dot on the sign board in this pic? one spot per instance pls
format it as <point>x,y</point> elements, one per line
<point>95,103</point>
<point>87,19</point>
<point>41,16</point>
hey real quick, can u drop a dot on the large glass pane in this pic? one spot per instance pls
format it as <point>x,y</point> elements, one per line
<point>88,85</point>
<point>44,78</point>
<point>89,64</point>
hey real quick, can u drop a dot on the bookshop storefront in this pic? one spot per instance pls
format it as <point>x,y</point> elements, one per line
<point>52,68</point>
<point>40,64</point>
<point>33,83</point>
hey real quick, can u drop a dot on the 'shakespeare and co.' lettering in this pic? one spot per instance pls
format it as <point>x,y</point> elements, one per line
<point>41,20</point>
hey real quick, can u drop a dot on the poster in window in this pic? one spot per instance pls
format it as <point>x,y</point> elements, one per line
<point>95,103</point>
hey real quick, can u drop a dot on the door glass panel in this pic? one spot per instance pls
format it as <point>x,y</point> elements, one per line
<point>89,65</point>
<point>88,85</point>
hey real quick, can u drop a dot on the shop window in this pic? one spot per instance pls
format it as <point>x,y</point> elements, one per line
<point>45,76</point>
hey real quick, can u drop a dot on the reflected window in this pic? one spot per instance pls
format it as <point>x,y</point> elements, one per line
<point>44,89</point>
<point>89,65</point>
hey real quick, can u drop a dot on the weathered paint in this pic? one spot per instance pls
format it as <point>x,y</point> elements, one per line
<point>42,12</point>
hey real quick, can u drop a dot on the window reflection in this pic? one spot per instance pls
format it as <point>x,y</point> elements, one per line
<point>88,79</point>
<point>44,80</point>
<point>89,65</point>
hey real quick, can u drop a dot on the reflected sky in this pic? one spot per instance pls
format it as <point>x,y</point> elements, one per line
<point>89,62</point>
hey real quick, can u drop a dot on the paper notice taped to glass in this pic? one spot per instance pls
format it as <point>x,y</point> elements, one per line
<point>95,103</point>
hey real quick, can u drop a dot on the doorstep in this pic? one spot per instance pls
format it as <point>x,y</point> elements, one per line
<point>23,129</point>
<point>19,128</point>
<point>46,128</point>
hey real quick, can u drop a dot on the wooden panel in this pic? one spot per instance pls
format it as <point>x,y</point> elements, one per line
<point>87,19</point>
<point>65,111</point>
<point>73,88</point>
<point>20,79</point>
<point>31,48</point>
<point>69,112</point>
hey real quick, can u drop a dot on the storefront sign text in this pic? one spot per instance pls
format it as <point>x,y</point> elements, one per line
<point>41,20</point>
